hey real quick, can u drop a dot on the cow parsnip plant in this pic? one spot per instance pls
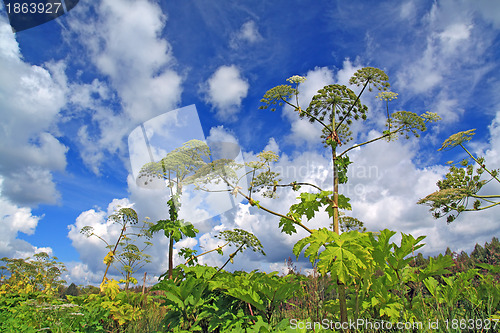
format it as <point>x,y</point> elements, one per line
<point>459,190</point>
<point>124,251</point>
<point>335,107</point>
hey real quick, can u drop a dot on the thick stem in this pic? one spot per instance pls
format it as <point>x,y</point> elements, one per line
<point>343,304</point>
<point>335,195</point>
<point>251,312</point>
<point>341,287</point>
<point>482,208</point>
<point>127,279</point>
<point>170,257</point>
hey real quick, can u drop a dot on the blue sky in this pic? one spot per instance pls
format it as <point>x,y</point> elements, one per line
<point>73,89</point>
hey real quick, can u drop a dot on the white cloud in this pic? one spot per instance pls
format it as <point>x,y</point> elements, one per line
<point>124,43</point>
<point>225,90</point>
<point>384,186</point>
<point>453,35</point>
<point>30,102</point>
<point>80,274</point>
<point>273,146</point>
<point>31,98</point>
<point>221,134</point>
<point>449,59</point>
<point>347,71</point>
<point>448,109</point>
<point>489,10</point>
<point>13,220</point>
<point>248,34</point>
<point>492,155</point>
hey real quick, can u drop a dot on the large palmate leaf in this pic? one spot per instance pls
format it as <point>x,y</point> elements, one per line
<point>345,255</point>
<point>436,266</point>
<point>317,239</point>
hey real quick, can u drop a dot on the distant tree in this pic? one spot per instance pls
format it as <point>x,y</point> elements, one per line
<point>489,254</point>
<point>40,273</point>
<point>462,262</point>
<point>462,184</point>
<point>72,290</point>
<point>89,289</point>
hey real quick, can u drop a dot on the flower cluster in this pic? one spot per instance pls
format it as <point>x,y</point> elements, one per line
<point>387,95</point>
<point>296,79</point>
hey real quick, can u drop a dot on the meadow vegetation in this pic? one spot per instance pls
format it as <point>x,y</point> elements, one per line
<point>362,281</point>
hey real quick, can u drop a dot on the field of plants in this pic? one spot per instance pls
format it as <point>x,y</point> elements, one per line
<point>363,281</point>
<point>448,293</point>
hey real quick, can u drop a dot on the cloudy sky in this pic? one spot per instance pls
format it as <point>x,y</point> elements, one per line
<point>73,90</point>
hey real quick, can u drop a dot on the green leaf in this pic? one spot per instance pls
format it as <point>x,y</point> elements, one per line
<point>346,256</point>
<point>432,285</point>
<point>436,266</point>
<point>317,239</point>
<point>392,310</point>
<point>344,202</point>
<point>288,226</point>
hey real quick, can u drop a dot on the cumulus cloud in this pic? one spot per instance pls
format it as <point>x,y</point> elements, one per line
<point>385,183</point>
<point>225,90</point>
<point>30,102</point>
<point>93,250</point>
<point>124,43</point>
<point>248,34</point>
<point>14,220</point>
<point>80,274</point>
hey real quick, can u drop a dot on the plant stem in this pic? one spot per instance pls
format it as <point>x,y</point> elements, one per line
<point>372,140</point>
<point>114,251</point>
<point>199,255</point>
<point>266,209</point>
<point>231,256</point>
<point>300,184</point>
<point>352,106</point>
<point>310,115</point>
<point>170,256</point>
<point>481,165</point>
